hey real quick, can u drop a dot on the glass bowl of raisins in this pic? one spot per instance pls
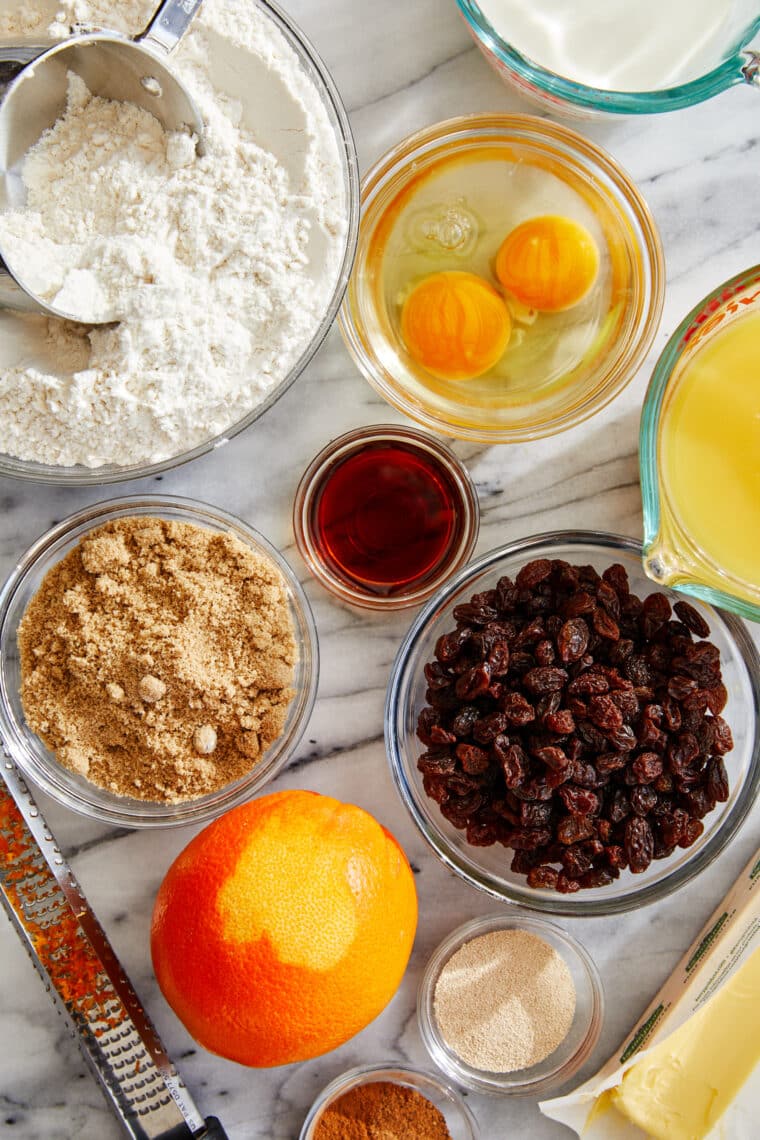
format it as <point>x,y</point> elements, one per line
<point>566,737</point>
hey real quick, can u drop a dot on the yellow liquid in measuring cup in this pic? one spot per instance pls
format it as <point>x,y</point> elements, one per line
<point>709,452</point>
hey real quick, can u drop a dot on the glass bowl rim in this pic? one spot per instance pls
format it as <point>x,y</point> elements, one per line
<point>726,74</point>
<point>546,902</point>
<point>349,443</point>
<point>648,436</point>
<point>309,59</point>
<point>497,1084</point>
<point>357,1076</point>
<point>539,132</point>
<point>123,811</point>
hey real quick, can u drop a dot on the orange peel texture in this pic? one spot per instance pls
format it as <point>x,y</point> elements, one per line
<point>284,928</point>
<point>548,263</point>
<point>455,325</point>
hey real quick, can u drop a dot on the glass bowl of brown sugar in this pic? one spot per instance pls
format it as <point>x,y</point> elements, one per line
<point>186,689</point>
<point>374,1094</point>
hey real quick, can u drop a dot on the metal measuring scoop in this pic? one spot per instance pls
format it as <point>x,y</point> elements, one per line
<point>33,94</point>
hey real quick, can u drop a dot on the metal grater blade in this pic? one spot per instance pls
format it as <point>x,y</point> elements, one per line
<point>83,975</point>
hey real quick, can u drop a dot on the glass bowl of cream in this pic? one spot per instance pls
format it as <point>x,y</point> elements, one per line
<point>619,58</point>
<point>234,279</point>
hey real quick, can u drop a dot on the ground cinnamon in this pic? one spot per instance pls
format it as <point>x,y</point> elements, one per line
<point>157,658</point>
<point>382,1110</point>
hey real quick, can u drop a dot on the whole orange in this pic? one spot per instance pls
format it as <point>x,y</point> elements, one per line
<point>284,928</point>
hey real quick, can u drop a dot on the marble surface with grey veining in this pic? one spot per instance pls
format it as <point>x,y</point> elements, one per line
<point>400,65</point>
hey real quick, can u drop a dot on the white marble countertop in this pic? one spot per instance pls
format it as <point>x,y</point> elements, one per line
<point>400,65</point>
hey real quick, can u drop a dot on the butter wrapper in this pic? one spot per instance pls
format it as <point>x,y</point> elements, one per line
<point>725,943</point>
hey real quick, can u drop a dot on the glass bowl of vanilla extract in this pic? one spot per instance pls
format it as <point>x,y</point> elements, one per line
<point>384,515</point>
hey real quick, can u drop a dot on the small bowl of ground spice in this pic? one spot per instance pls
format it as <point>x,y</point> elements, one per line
<point>379,1102</point>
<point>158,662</point>
<point>510,1005</point>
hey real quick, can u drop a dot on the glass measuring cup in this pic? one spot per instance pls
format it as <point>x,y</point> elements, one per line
<point>730,62</point>
<point>33,94</point>
<point>702,560</point>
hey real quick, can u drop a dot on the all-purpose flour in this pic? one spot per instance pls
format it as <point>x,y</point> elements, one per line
<point>219,266</point>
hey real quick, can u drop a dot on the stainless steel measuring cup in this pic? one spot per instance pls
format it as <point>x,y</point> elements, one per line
<point>33,91</point>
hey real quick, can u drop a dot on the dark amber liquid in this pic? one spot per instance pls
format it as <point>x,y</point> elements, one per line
<point>386,517</point>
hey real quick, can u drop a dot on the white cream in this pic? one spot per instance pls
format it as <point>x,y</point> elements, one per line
<point>622,45</point>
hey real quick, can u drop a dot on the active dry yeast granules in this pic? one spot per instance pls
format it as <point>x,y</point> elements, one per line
<point>382,1110</point>
<point>504,1001</point>
<point>157,658</point>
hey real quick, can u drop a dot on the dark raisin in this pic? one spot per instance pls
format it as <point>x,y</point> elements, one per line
<point>598,877</point>
<point>574,829</point>
<point>643,799</point>
<point>535,814</point>
<point>619,807</point>
<point>487,728</point>
<point>514,765</point>
<point>639,844</point>
<point>617,577</point>
<point>608,599</point>
<point>553,757</point>
<point>450,645</point>
<point>561,723</point>
<point>692,618</point>
<point>647,767</point>
<point>723,740</point>
<point>473,614</point>
<point>566,885</point>
<point>529,838</point>
<point>579,801</point>
<point>533,573</point>
<point>604,713</point>
<point>717,780</point>
<point>545,679</point>
<point>473,683</point>
<point>474,760</point>
<point>605,625</point>
<point>572,640</point>
<point>544,878</point>
<point>588,684</point>
<point>517,709</point>
<point>691,833</point>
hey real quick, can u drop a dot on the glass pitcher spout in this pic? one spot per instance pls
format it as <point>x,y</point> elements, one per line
<point>700,453</point>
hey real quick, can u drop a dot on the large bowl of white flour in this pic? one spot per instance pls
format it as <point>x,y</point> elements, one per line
<point>222,273</point>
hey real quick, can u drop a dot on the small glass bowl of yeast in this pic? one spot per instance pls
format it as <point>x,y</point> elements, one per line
<point>459,1120</point>
<point>584,1019</point>
<point>39,765</point>
<point>454,313</point>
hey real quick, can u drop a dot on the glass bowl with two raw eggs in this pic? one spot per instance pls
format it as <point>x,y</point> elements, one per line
<point>509,278</point>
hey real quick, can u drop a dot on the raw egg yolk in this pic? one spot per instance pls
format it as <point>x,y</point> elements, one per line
<point>548,263</point>
<point>455,325</point>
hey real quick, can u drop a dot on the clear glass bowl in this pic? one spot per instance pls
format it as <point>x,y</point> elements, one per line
<point>38,764</point>
<point>488,867</point>
<point>464,498</point>
<point>460,1121</point>
<point>566,1059</point>
<point>316,74</point>
<point>563,96</point>
<point>671,555</point>
<point>636,267</point>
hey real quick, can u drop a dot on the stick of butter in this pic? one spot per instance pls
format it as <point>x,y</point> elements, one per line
<point>682,1087</point>
<point>684,1063</point>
